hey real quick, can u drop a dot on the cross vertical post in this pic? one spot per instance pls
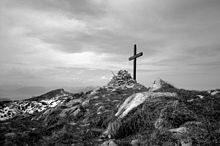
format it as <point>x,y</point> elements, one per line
<point>135,60</point>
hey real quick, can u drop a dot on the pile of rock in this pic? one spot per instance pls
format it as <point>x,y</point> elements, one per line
<point>123,78</point>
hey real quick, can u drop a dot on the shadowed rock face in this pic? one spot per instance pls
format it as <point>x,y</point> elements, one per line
<point>120,113</point>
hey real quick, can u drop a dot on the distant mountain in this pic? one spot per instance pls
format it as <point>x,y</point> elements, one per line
<point>79,89</point>
<point>4,99</point>
<point>17,92</point>
<point>49,95</point>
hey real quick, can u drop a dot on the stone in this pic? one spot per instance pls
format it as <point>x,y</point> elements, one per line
<point>186,143</point>
<point>137,99</point>
<point>113,129</point>
<point>65,112</point>
<point>109,143</point>
<point>73,102</point>
<point>76,112</point>
<point>122,78</point>
<point>135,142</point>
<point>160,84</point>
<point>100,109</point>
<point>85,103</point>
<point>10,135</point>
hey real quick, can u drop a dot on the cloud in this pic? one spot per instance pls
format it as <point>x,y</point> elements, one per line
<point>53,40</point>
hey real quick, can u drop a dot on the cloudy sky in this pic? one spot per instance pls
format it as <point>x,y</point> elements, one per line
<point>59,43</point>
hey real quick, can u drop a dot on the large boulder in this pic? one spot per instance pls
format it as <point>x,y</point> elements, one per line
<point>117,128</point>
<point>137,99</point>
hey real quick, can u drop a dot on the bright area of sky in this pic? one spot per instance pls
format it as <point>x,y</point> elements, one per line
<point>54,43</point>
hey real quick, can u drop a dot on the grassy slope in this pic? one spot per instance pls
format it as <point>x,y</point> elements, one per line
<point>138,124</point>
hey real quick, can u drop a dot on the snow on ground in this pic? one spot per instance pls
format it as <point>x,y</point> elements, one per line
<point>200,96</point>
<point>30,107</point>
<point>214,93</point>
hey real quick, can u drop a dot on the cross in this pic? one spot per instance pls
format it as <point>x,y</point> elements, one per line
<point>135,61</point>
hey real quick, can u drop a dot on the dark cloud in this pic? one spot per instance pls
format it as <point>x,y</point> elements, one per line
<point>178,38</point>
<point>70,7</point>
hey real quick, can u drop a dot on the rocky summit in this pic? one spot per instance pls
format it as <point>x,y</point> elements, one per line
<point>122,113</point>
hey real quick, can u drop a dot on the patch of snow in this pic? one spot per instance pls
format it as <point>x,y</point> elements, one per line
<point>190,100</point>
<point>98,103</point>
<point>214,93</point>
<point>95,97</point>
<point>180,130</point>
<point>200,96</point>
<point>55,103</point>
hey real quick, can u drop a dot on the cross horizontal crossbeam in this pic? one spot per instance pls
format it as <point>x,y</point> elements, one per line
<point>136,56</point>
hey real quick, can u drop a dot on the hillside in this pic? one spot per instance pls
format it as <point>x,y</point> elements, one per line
<point>122,113</point>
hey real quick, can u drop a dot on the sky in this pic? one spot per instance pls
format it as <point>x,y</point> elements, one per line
<point>72,43</point>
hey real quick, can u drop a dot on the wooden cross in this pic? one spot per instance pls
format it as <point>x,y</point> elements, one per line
<point>135,61</point>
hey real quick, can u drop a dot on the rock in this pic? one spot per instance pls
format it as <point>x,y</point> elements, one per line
<point>160,84</point>
<point>122,78</point>
<point>169,143</point>
<point>100,110</point>
<point>113,129</point>
<point>135,142</point>
<point>10,135</point>
<point>186,143</point>
<point>67,111</point>
<point>85,103</point>
<point>109,143</point>
<point>95,97</point>
<point>77,112</point>
<point>178,131</point>
<point>137,99</point>
<point>200,96</point>
<point>73,102</point>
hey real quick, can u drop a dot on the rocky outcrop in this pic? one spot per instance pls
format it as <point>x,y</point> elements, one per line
<point>160,85</point>
<point>133,102</point>
<point>137,99</point>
